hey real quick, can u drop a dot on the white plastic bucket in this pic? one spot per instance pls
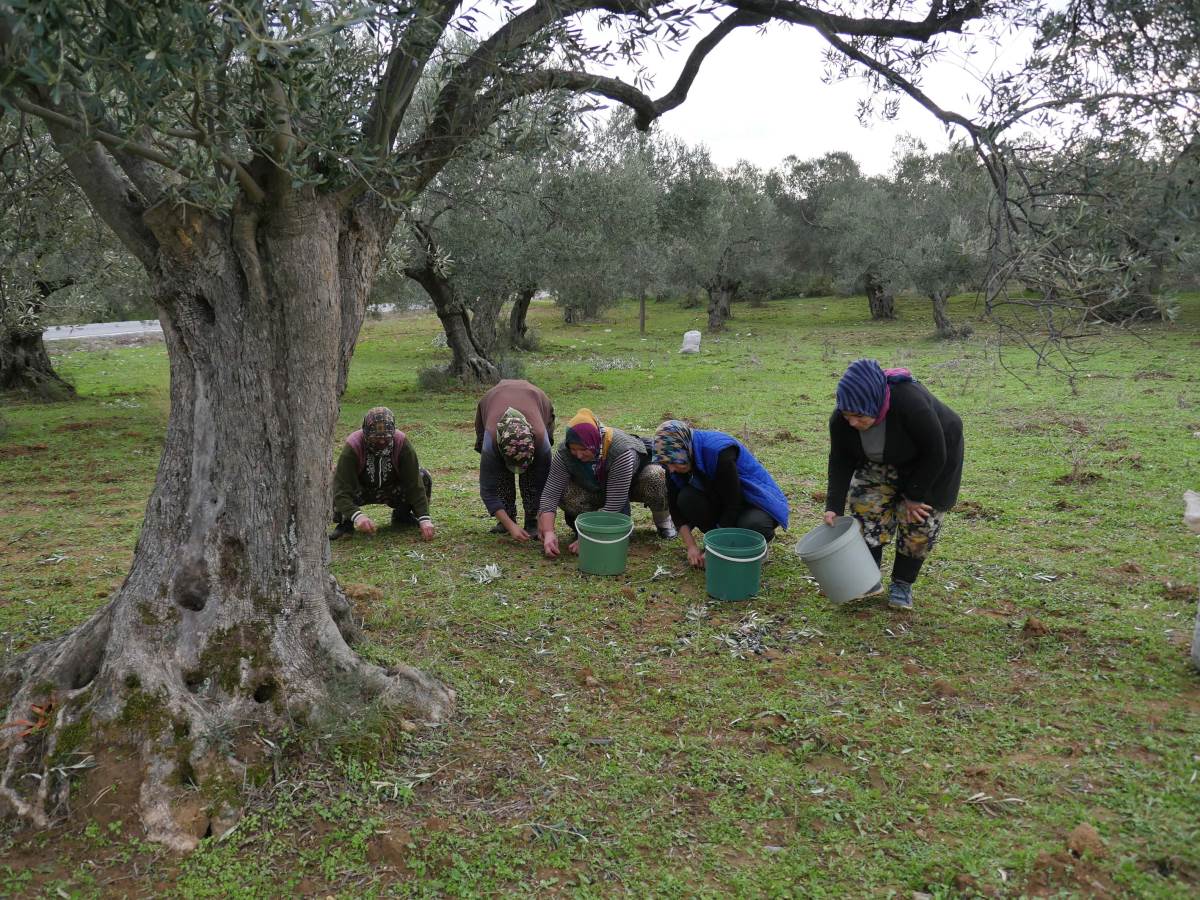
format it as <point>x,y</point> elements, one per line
<point>839,559</point>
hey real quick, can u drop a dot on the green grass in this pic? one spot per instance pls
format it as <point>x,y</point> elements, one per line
<point>607,740</point>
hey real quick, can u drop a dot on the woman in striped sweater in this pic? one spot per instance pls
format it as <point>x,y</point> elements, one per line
<point>600,467</point>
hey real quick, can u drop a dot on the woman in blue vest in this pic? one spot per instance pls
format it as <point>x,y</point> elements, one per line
<point>715,482</point>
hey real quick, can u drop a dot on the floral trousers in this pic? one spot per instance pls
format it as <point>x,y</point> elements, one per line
<point>649,487</point>
<point>875,500</point>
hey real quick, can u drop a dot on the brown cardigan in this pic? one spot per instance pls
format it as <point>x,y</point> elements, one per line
<point>522,396</point>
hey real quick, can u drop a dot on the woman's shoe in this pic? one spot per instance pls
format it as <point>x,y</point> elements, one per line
<point>900,595</point>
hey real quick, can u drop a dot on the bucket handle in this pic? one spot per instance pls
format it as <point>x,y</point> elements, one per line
<point>623,537</point>
<point>708,549</point>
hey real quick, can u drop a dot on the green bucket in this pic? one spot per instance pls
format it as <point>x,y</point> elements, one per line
<point>733,562</point>
<point>603,542</point>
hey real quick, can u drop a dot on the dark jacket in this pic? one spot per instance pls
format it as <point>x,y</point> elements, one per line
<point>924,441</point>
<point>356,482</point>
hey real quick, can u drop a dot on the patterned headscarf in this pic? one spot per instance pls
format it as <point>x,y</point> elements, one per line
<point>673,443</point>
<point>865,388</point>
<point>379,433</point>
<point>585,430</point>
<point>514,438</point>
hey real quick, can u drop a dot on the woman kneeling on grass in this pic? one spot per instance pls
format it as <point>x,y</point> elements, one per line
<point>599,467</point>
<point>898,450</point>
<point>715,482</point>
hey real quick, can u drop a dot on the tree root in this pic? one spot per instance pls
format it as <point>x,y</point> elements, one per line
<point>123,721</point>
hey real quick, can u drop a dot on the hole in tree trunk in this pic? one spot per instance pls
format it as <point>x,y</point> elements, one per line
<point>191,584</point>
<point>195,681</point>
<point>205,309</point>
<point>87,666</point>
<point>187,777</point>
<point>264,691</point>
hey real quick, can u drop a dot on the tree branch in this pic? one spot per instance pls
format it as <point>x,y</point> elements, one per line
<point>691,68</point>
<point>405,65</point>
<point>112,196</point>
<point>121,145</point>
<point>939,21</point>
<point>108,139</point>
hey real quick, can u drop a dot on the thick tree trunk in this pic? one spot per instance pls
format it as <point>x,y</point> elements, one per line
<point>229,622</point>
<point>941,316</point>
<point>881,302</point>
<point>518,330</point>
<point>470,362</point>
<point>720,297</point>
<point>25,367</point>
<point>484,323</point>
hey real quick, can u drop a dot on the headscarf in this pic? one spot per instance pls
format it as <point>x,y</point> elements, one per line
<point>585,429</point>
<point>379,432</point>
<point>514,438</point>
<point>865,388</point>
<point>673,443</point>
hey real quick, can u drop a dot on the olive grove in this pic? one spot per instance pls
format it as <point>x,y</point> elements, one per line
<point>256,160</point>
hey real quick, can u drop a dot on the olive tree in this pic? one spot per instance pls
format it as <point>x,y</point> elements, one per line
<point>923,228</point>
<point>254,156</point>
<point>56,259</point>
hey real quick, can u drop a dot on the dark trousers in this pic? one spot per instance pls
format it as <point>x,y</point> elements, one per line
<point>702,512</point>
<point>402,511</point>
<point>905,568</point>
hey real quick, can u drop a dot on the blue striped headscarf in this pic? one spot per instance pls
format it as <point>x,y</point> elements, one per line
<point>863,388</point>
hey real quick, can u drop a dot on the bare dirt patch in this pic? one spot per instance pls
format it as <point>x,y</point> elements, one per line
<point>1178,591</point>
<point>1056,873</point>
<point>22,450</point>
<point>971,509</point>
<point>1034,628</point>
<point>1082,477</point>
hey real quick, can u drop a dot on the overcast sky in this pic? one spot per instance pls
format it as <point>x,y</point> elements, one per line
<point>759,97</point>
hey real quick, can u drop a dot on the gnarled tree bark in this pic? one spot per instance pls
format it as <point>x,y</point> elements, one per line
<point>946,330</point>
<point>229,621</point>
<point>881,301</point>
<point>720,297</point>
<point>518,330</point>
<point>485,314</point>
<point>25,367</point>
<point>470,361</point>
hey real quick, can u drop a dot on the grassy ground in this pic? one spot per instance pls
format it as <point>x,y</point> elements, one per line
<point>625,734</point>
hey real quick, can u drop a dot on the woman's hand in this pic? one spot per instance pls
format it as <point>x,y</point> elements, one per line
<point>550,544</point>
<point>830,517</point>
<point>516,532</point>
<point>915,513</point>
<point>695,557</point>
<point>365,524</point>
<point>427,529</point>
<point>574,547</point>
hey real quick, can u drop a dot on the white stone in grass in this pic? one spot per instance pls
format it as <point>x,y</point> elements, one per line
<point>1191,510</point>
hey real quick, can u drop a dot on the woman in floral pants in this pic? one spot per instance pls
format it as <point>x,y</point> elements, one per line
<point>896,452</point>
